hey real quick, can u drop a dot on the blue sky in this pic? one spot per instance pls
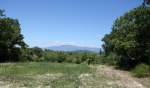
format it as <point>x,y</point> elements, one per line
<point>59,22</point>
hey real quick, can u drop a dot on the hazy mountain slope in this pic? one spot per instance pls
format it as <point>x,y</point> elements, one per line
<point>72,48</point>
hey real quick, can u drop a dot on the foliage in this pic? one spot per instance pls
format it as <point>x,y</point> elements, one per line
<point>141,70</point>
<point>71,57</point>
<point>147,2</point>
<point>11,39</point>
<point>37,54</point>
<point>110,59</point>
<point>2,13</point>
<point>130,38</point>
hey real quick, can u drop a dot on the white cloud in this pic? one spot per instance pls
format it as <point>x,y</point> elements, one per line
<point>49,43</point>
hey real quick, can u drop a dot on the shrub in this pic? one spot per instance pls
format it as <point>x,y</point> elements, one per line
<point>141,70</point>
<point>110,59</point>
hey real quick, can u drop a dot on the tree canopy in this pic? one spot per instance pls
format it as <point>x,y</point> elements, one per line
<point>130,37</point>
<point>2,13</point>
<point>11,39</point>
<point>147,1</point>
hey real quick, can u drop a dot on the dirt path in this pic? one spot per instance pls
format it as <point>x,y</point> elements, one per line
<point>124,79</point>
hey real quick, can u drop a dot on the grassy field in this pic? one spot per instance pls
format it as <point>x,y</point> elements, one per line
<point>54,75</point>
<point>33,75</point>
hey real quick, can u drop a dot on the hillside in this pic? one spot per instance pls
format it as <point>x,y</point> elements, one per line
<point>72,48</point>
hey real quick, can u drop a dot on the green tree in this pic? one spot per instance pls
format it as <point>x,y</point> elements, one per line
<point>130,37</point>
<point>2,13</point>
<point>11,39</point>
<point>147,2</point>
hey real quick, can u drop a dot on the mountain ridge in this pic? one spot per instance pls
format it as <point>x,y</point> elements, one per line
<point>72,48</point>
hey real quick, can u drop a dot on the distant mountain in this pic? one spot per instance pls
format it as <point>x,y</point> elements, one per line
<point>72,48</point>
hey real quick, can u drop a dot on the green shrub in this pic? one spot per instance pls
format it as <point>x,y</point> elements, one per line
<point>141,70</point>
<point>110,59</point>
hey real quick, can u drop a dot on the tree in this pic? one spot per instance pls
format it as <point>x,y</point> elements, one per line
<point>11,39</point>
<point>2,13</point>
<point>130,37</point>
<point>147,2</point>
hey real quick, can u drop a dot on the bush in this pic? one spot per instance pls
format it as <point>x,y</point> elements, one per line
<point>110,59</point>
<point>141,70</point>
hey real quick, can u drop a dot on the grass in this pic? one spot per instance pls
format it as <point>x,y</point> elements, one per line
<point>42,74</point>
<point>51,75</point>
<point>64,75</point>
<point>41,68</point>
<point>141,70</point>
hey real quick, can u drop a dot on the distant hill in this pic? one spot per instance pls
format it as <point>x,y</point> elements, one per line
<point>72,48</point>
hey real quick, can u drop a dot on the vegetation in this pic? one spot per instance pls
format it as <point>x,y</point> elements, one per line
<point>37,54</point>
<point>64,75</point>
<point>147,2</point>
<point>11,39</point>
<point>127,46</point>
<point>130,38</point>
<point>42,74</point>
<point>141,70</point>
<point>34,68</point>
<point>13,48</point>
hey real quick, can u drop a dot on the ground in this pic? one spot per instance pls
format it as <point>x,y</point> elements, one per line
<point>54,75</point>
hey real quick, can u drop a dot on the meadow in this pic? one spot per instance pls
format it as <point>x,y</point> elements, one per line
<point>64,75</point>
<point>42,74</point>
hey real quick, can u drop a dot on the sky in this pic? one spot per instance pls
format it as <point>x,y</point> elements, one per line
<point>47,23</point>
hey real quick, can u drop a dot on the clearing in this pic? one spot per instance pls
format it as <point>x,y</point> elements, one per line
<point>54,75</point>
